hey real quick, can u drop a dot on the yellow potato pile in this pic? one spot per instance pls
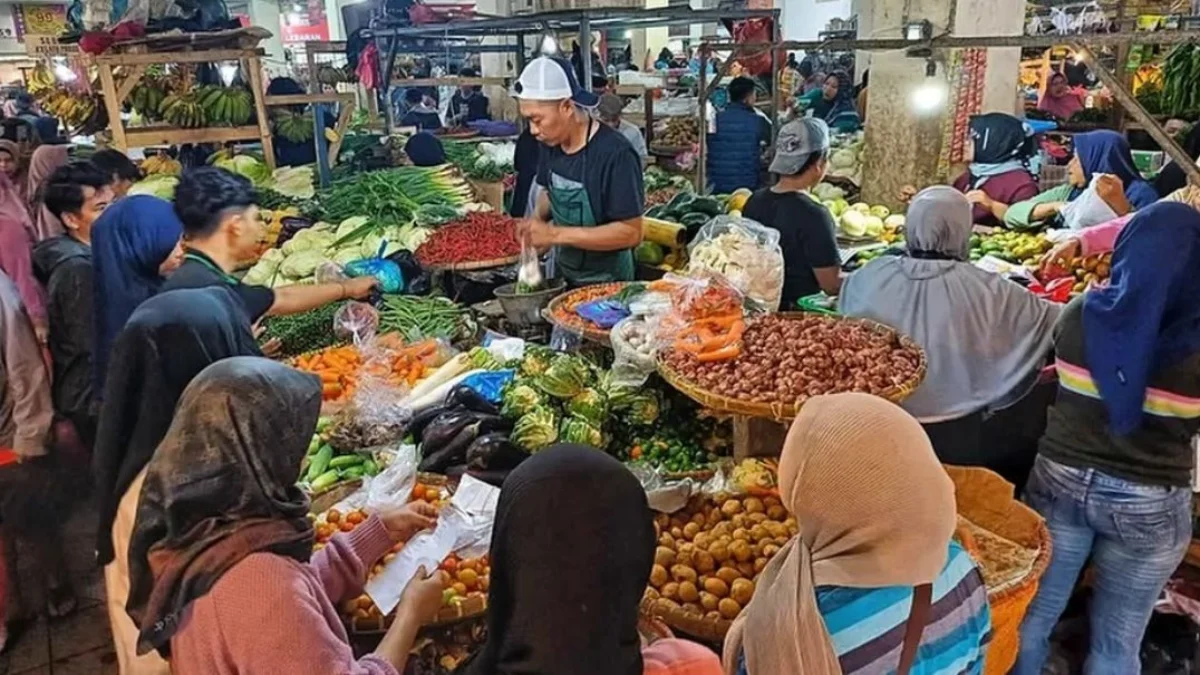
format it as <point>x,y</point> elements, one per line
<point>710,553</point>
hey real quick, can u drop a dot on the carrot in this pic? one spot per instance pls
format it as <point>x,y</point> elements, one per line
<point>722,354</point>
<point>330,390</point>
<point>328,376</point>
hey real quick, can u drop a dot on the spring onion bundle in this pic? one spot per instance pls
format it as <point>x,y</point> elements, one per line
<point>392,197</point>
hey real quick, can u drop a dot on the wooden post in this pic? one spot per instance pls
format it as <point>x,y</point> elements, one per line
<point>343,122</point>
<point>254,65</point>
<point>757,437</point>
<point>1134,108</point>
<point>112,104</point>
<point>702,136</point>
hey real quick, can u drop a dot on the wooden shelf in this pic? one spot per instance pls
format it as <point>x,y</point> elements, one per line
<point>139,138</point>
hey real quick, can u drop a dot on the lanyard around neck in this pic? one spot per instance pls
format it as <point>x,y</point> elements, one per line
<point>203,260</point>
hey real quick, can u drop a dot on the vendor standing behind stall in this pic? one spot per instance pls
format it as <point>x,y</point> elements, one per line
<point>468,103</point>
<point>591,210</point>
<point>811,261</point>
<point>998,173</point>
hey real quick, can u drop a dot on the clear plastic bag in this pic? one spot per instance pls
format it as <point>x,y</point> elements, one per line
<point>704,295</point>
<point>1087,209</point>
<point>744,252</point>
<point>634,344</point>
<point>356,321</point>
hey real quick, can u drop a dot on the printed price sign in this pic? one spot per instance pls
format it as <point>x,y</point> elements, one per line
<point>47,45</point>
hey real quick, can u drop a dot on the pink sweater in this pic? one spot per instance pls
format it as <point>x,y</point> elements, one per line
<point>1103,237</point>
<point>271,614</point>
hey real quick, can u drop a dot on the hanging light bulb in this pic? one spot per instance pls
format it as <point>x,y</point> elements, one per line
<point>227,71</point>
<point>930,95</point>
<point>549,45</point>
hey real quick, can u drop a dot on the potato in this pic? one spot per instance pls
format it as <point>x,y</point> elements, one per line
<point>688,591</point>
<point>685,547</point>
<point>702,540</point>
<point>665,539</point>
<point>740,550</point>
<point>741,534</point>
<point>739,521</point>
<point>775,529</point>
<point>722,529</point>
<point>677,532</point>
<point>670,591</point>
<point>719,552</point>
<point>693,609</point>
<point>716,586</point>
<point>687,558</point>
<point>704,562</point>
<point>708,601</point>
<point>678,520</point>
<point>650,594</point>
<point>659,576</point>
<point>756,518</point>
<point>753,505</point>
<point>731,507</point>
<point>699,518</point>
<point>728,574</point>
<point>741,591</point>
<point>771,501</point>
<point>662,520</point>
<point>683,573</point>
<point>747,569</point>
<point>715,516</point>
<point>657,530</point>
<point>769,550</point>
<point>780,541</point>
<point>758,533</point>
<point>729,608</point>
<point>760,564</point>
<point>776,512</point>
<point>690,531</point>
<point>664,556</point>
<point>665,606</point>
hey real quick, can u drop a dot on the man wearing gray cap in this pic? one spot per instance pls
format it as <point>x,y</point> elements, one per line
<point>807,233</point>
<point>609,112</point>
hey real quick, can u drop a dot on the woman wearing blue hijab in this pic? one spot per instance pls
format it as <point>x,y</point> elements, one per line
<point>134,245</point>
<point>1096,152</point>
<point>1113,474</point>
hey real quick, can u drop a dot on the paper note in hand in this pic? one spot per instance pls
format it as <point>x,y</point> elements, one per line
<point>427,549</point>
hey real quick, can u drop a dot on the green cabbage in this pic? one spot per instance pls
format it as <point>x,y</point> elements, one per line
<point>566,377</point>
<point>349,225</point>
<point>519,399</point>
<point>536,429</point>
<point>589,405</point>
<point>581,432</point>
<point>159,185</point>
<point>294,181</point>
<point>254,169</point>
<point>302,264</point>
<point>265,268</point>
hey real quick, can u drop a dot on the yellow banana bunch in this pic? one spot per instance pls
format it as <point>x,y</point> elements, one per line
<point>161,164</point>
<point>183,110</point>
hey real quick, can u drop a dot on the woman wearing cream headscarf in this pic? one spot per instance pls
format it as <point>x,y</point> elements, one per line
<point>877,515</point>
<point>44,161</point>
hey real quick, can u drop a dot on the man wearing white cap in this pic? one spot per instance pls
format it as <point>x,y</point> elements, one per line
<point>592,201</point>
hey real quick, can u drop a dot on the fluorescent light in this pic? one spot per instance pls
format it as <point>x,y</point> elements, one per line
<point>549,44</point>
<point>227,71</point>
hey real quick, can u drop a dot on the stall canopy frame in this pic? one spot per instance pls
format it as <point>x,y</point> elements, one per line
<point>1084,43</point>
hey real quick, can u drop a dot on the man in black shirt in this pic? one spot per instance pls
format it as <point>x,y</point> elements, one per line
<point>220,227</point>
<point>468,103</point>
<point>807,233</point>
<point>590,175</point>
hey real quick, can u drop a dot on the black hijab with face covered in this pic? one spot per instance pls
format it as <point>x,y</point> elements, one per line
<point>168,340</point>
<point>221,486</point>
<point>571,554</point>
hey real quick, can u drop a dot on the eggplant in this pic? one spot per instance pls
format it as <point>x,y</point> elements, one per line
<point>494,451</point>
<point>445,427</point>
<point>453,452</point>
<point>466,397</point>
<point>416,425</point>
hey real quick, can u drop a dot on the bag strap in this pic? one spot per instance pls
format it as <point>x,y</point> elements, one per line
<point>918,618</point>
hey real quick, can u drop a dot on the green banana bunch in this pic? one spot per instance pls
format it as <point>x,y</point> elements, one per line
<point>297,128</point>
<point>183,111</point>
<point>226,105</point>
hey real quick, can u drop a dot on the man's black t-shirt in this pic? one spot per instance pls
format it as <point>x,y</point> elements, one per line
<point>199,271</point>
<point>610,172</point>
<point>806,235</point>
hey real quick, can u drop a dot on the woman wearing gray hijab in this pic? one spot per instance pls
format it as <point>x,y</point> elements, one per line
<point>985,338</point>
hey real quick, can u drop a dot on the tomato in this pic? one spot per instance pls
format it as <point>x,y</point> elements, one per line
<point>333,516</point>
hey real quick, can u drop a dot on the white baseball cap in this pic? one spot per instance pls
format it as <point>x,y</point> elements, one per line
<point>552,78</point>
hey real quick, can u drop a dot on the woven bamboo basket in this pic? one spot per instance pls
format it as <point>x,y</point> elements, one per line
<point>705,630</point>
<point>779,411</point>
<point>474,264</point>
<point>583,328</point>
<point>986,499</point>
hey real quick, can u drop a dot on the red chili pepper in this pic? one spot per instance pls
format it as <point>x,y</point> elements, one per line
<point>472,238</point>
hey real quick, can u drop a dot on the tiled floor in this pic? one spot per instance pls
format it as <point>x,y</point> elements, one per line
<point>76,645</point>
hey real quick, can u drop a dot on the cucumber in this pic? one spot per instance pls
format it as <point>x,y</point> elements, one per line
<point>320,463</point>
<point>324,481</point>
<point>346,461</point>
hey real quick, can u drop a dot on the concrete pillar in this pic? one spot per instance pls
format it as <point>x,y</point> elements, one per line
<point>497,65</point>
<point>265,13</point>
<point>903,147</point>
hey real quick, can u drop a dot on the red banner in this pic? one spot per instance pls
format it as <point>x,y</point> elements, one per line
<point>303,23</point>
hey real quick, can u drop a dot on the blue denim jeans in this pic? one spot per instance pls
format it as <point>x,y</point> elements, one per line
<point>1135,535</point>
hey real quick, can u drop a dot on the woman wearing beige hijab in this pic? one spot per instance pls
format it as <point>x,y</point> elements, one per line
<point>874,571</point>
<point>44,161</point>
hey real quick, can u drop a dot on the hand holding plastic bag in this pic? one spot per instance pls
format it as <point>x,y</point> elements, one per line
<point>1089,208</point>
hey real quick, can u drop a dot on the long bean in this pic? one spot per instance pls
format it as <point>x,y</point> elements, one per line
<point>417,318</point>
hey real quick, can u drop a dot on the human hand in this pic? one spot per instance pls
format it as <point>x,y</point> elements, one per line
<point>272,349</point>
<point>536,233</point>
<point>979,197</point>
<point>422,597</point>
<point>359,288</point>
<point>1109,188</point>
<point>907,193</point>
<point>1057,261</point>
<point>404,522</point>
<point>42,332</point>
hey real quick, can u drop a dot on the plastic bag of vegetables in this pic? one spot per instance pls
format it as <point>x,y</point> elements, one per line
<point>536,429</point>
<point>744,252</point>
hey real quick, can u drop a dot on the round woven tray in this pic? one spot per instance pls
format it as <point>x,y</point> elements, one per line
<point>703,629</point>
<point>585,328</point>
<point>780,411</point>
<point>457,135</point>
<point>473,265</point>
<point>669,149</point>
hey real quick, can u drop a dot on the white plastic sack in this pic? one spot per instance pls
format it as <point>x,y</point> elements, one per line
<point>743,251</point>
<point>1087,209</point>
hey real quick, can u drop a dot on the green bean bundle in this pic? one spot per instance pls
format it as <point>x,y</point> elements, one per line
<point>417,318</point>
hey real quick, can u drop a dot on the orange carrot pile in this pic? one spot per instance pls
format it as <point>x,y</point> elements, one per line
<point>340,368</point>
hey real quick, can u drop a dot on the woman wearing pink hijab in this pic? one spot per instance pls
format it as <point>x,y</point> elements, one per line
<point>1059,99</point>
<point>45,161</point>
<point>15,253</point>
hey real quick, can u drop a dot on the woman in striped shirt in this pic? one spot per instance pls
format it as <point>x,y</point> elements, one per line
<point>874,582</point>
<point>1114,466</point>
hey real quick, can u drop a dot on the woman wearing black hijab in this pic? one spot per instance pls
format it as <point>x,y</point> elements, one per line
<point>572,548</point>
<point>168,340</point>
<point>1172,177</point>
